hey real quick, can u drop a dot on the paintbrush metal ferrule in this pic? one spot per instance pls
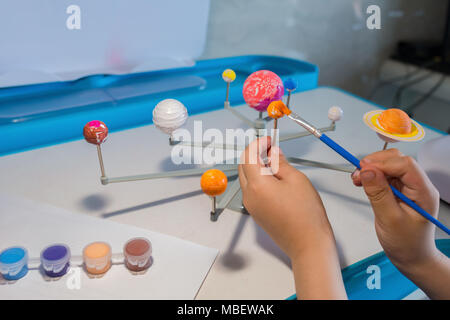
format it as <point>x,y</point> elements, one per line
<point>305,124</point>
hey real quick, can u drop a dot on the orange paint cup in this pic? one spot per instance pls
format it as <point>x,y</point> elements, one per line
<point>97,257</point>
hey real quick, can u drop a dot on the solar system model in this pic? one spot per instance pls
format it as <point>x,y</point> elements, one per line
<point>259,90</point>
<point>263,91</point>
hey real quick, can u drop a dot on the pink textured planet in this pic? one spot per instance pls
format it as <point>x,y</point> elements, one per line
<point>261,88</point>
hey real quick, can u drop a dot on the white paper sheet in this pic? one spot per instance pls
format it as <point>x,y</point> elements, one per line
<point>38,43</point>
<point>178,270</point>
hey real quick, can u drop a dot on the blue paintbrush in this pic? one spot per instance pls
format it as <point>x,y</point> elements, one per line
<point>353,160</point>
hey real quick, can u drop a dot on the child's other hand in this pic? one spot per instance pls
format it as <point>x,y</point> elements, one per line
<point>407,237</point>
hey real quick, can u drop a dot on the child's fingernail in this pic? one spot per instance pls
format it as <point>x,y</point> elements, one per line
<point>355,174</point>
<point>367,176</point>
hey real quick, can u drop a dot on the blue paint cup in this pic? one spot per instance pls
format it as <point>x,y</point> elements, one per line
<point>14,263</point>
<point>55,260</point>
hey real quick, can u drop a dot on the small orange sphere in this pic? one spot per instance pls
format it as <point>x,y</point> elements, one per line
<point>213,182</point>
<point>274,110</point>
<point>277,109</point>
<point>395,121</point>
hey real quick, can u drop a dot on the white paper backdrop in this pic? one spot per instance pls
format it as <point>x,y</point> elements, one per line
<point>115,37</point>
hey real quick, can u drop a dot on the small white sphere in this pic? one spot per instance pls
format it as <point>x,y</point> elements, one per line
<point>169,115</point>
<point>335,113</point>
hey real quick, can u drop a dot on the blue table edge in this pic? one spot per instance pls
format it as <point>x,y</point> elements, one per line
<point>360,267</point>
<point>36,131</point>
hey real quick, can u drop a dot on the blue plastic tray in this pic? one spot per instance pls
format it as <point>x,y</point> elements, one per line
<point>394,285</point>
<point>40,115</point>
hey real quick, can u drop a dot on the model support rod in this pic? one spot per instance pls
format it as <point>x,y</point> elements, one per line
<point>288,98</point>
<point>169,174</point>
<point>100,160</point>
<point>249,122</point>
<point>287,137</point>
<point>205,144</point>
<point>316,164</point>
<point>228,196</point>
<point>231,193</point>
<point>214,206</point>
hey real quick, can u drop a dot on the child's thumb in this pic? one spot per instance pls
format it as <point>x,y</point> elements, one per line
<point>378,191</point>
<point>280,166</point>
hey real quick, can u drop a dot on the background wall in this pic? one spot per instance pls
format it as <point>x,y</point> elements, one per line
<point>329,33</point>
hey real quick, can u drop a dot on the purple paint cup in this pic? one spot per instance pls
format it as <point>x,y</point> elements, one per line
<point>55,260</point>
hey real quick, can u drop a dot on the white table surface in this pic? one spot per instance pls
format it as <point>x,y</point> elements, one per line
<point>249,264</point>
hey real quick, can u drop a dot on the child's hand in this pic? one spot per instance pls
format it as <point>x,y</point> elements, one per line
<point>289,209</point>
<point>407,237</point>
<point>285,205</point>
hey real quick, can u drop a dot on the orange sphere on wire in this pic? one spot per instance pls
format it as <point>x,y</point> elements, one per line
<point>277,109</point>
<point>213,182</point>
<point>395,121</point>
<point>274,111</point>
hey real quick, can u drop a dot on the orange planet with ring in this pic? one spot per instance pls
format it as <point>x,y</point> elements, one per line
<point>394,125</point>
<point>213,182</point>
<point>395,121</point>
